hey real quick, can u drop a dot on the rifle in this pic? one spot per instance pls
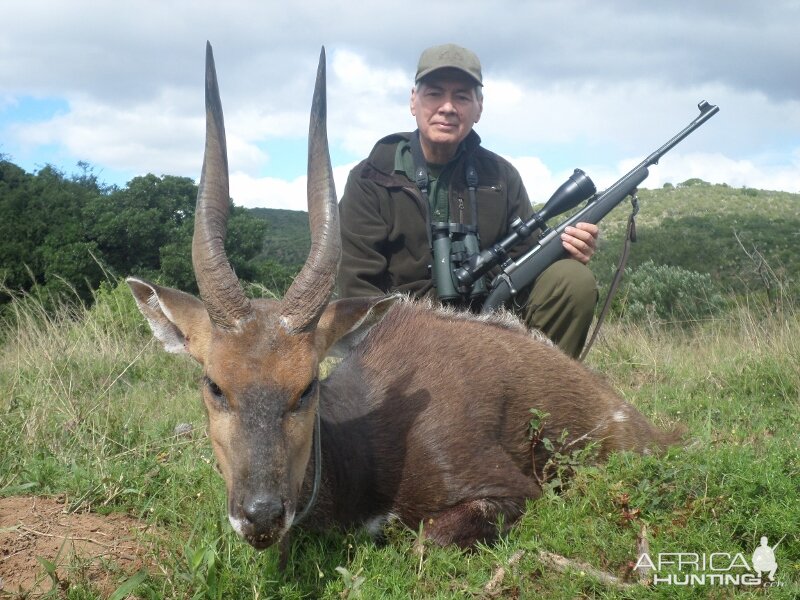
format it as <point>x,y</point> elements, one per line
<point>518,273</point>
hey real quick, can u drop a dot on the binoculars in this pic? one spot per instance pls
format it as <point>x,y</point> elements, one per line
<point>453,246</point>
<point>459,265</point>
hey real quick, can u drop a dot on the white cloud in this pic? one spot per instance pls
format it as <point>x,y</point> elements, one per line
<point>365,102</point>
<point>150,137</point>
<point>269,192</point>
<point>251,192</point>
<point>715,168</point>
<point>718,168</point>
<point>539,181</point>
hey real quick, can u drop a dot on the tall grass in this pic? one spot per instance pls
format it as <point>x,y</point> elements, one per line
<point>83,390</point>
<point>88,406</point>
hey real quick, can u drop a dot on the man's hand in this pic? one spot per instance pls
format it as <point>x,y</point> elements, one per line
<point>580,241</point>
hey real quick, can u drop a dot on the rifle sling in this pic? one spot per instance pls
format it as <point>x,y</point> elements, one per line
<point>630,237</point>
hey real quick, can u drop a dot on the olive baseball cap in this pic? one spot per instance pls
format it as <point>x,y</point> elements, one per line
<point>452,57</point>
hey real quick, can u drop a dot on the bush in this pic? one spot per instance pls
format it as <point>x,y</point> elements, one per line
<point>665,293</point>
<point>694,181</point>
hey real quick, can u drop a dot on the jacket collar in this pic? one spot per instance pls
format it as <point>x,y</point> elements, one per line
<point>379,166</point>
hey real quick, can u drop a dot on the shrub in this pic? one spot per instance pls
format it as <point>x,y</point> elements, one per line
<point>694,181</point>
<point>666,293</point>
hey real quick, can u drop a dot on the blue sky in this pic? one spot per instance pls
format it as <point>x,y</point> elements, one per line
<point>577,83</point>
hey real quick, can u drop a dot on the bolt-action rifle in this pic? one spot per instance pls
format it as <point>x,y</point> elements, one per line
<point>518,273</point>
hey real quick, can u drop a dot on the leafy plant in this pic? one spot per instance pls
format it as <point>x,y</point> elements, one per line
<point>563,457</point>
<point>658,293</point>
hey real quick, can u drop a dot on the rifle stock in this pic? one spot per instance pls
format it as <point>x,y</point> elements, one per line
<point>518,274</point>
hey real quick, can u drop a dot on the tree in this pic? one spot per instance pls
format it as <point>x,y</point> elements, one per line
<point>40,217</point>
<point>62,233</point>
<point>130,225</point>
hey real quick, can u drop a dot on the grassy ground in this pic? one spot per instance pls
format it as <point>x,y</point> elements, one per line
<point>88,405</point>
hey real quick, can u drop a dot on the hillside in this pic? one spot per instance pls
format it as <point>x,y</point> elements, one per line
<point>64,234</point>
<point>287,239</point>
<point>692,226</point>
<point>696,227</point>
<point>108,487</point>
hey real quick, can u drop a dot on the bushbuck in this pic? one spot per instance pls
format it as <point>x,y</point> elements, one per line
<point>426,419</point>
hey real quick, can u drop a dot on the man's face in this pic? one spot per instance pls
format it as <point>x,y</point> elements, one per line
<point>446,106</point>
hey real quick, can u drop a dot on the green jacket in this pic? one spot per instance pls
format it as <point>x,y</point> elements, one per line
<point>385,219</point>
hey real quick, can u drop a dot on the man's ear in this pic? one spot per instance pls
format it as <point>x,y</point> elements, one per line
<point>346,322</point>
<point>178,320</point>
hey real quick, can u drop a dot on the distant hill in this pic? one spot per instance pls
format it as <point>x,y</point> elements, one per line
<point>65,233</point>
<point>710,229</point>
<point>287,240</point>
<point>694,225</point>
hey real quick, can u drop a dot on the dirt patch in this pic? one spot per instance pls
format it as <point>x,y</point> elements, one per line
<point>86,548</point>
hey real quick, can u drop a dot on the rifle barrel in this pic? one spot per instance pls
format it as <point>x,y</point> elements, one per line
<point>706,112</point>
<point>525,269</point>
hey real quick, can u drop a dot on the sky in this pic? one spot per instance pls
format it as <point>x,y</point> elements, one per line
<point>568,84</point>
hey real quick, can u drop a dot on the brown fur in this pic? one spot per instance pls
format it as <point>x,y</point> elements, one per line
<point>431,415</point>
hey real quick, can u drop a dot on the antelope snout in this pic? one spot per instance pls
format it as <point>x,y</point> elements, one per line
<point>260,520</point>
<point>263,511</point>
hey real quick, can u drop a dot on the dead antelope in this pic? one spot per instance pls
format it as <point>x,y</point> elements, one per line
<point>427,417</point>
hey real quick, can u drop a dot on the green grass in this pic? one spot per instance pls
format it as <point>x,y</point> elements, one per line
<point>88,404</point>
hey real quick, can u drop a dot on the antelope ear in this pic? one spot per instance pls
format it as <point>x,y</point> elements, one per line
<point>178,320</point>
<point>346,322</point>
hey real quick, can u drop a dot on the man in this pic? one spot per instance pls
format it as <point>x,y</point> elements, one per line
<point>411,180</point>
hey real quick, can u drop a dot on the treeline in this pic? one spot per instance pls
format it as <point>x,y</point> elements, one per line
<point>65,234</point>
<point>699,245</point>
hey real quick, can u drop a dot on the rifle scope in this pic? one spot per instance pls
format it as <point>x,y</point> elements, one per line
<point>577,188</point>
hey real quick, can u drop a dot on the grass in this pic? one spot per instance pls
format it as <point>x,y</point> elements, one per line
<point>88,405</point>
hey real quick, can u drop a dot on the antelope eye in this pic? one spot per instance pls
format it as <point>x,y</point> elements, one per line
<point>307,395</point>
<point>216,392</point>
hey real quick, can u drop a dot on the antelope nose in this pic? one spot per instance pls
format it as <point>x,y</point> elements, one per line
<point>263,511</point>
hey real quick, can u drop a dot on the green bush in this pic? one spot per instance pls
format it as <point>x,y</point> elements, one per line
<point>694,181</point>
<point>666,293</point>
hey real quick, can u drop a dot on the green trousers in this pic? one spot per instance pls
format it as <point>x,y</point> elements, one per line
<point>561,304</point>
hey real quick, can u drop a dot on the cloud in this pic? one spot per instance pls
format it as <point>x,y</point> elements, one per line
<point>569,84</point>
<point>251,192</point>
<point>86,44</point>
<point>366,101</point>
<point>136,140</point>
<point>718,168</point>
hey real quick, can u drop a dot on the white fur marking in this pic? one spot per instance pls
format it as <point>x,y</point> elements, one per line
<point>620,416</point>
<point>166,335</point>
<point>374,525</point>
<point>237,524</point>
<point>501,318</point>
